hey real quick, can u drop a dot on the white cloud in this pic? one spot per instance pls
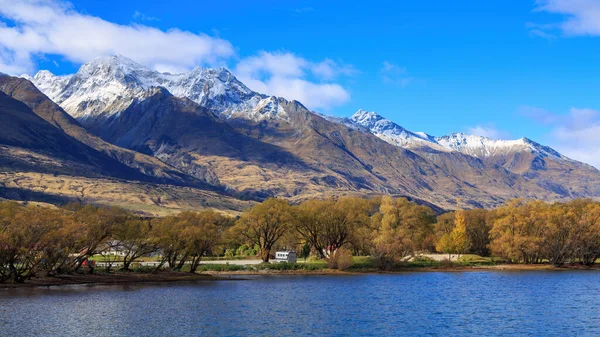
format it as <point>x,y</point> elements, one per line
<point>329,69</point>
<point>575,134</point>
<point>137,15</point>
<point>286,74</point>
<point>32,29</point>
<point>488,131</point>
<point>41,27</point>
<point>303,10</point>
<point>581,17</point>
<point>542,34</point>
<point>538,114</point>
<point>389,67</point>
<point>393,73</point>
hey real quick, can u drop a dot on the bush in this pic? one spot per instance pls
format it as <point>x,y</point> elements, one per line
<point>423,259</point>
<point>384,262</point>
<point>341,259</point>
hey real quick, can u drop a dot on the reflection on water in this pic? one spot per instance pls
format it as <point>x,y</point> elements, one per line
<point>413,304</point>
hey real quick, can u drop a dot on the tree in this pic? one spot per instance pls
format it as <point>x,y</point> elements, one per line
<point>265,224</point>
<point>416,224</point>
<point>478,230</point>
<point>457,241</point>
<point>134,240</point>
<point>64,239</point>
<point>389,240</point>
<point>558,234</point>
<point>444,224</point>
<point>517,231</point>
<point>26,235</point>
<point>167,233</point>
<point>460,240</point>
<point>327,225</point>
<point>97,225</point>
<point>202,232</point>
<point>586,237</point>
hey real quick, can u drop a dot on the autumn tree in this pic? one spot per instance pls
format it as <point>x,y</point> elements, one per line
<point>63,239</point>
<point>134,239</point>
<point>460,239</point>
<point>478,225</point>
<point>405,228</point>
<point>97,225</point>
<point>27,233</point>
<point>167,233</point>
<point>389,244</point>
<point>202,233</point>
<point>457,241</point>
<point>327,225</point>
<point>586,245</point>
<point>265,224</point>
<point>444,224</point>
<point>416,224</point>
<point>517,231</point>
<point>558,239</point>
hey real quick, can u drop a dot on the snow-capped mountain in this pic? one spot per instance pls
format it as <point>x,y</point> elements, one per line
<point>472,145</point>
<point>293,151</point>
<point>392,132</point>
<point>482,147</point>
<point>108,85</point>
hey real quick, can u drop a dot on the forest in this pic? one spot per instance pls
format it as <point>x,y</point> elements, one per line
<point>38,240</point>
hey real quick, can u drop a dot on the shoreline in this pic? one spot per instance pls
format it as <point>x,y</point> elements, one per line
<point>170,277</point>
<point>112,279</point>
<point>498,267</point>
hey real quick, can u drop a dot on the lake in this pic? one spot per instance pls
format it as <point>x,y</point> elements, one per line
<point>409,304</point>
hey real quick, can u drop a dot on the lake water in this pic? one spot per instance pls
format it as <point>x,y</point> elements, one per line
<point>410,304</point>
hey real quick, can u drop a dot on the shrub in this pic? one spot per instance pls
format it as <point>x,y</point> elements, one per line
<point>341,259</point>
<point>423,259</point>
<point>383,261</point>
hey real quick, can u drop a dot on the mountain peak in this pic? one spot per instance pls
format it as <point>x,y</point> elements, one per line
<point>44,74</point>
<point>107,84</point>
<point>114,60</point>
<point>392,132</point>
<point>365,117</point>
<point>158,91</point>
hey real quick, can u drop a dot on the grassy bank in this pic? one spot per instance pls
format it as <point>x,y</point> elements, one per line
<point>361,265</point>
<point>365,264</point>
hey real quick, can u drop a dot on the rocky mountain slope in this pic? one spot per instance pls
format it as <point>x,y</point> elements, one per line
<point>157,171</point>
<point>207,123</point>
<point>46,156</point>
<point>536,163</point>
<point>30,143</point>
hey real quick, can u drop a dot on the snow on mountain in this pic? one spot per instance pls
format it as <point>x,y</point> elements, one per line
<point>483,147</point>
<point>476,146</point>
<point>108,85</point>
<point>392,132</point>
<point>343,121</point>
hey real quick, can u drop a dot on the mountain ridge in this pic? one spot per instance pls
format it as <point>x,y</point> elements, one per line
<point>341,154</point>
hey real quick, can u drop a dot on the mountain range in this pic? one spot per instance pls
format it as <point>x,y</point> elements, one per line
<point>206,130</point>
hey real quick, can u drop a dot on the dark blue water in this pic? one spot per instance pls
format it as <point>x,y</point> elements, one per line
<point>411,304</point>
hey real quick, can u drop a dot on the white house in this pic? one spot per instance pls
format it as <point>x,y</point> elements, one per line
<point>285,256</point>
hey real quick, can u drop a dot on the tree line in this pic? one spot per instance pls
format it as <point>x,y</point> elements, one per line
<point>36,240</point>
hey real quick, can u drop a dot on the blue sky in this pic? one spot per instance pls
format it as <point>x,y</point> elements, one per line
<point>503,69</point>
